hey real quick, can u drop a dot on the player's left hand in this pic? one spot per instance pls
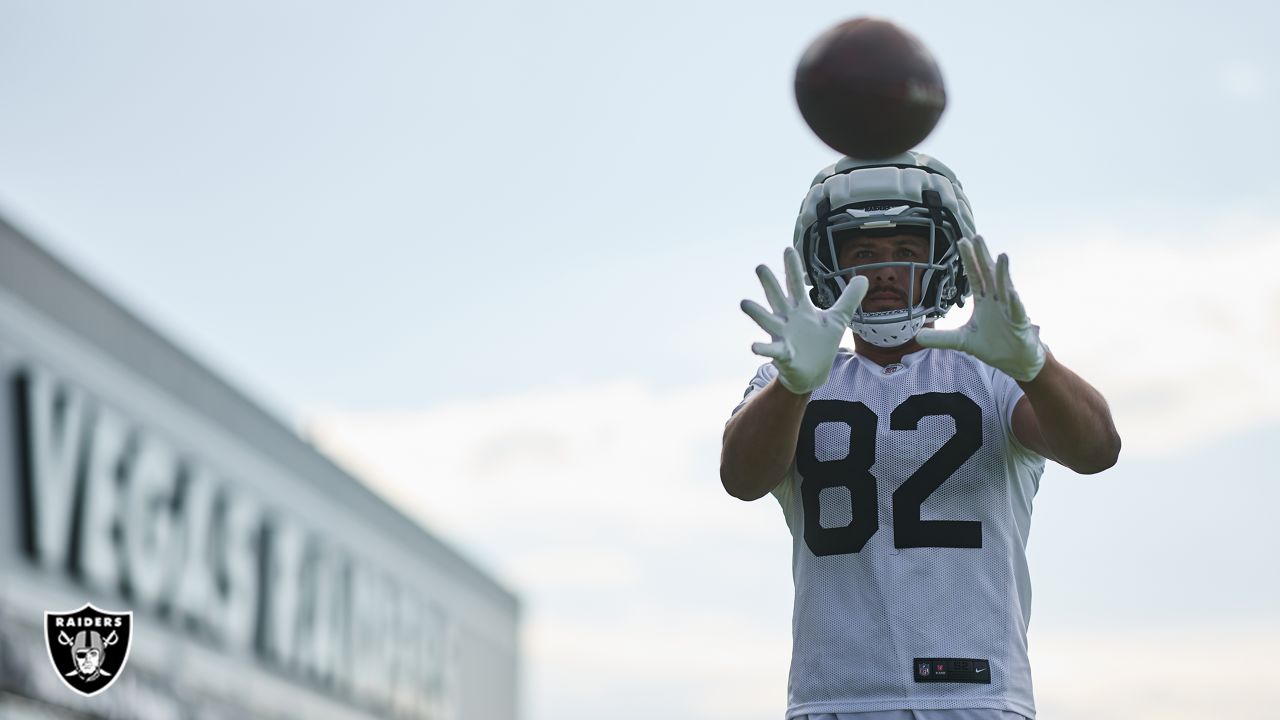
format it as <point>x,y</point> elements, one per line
<point>999,333</point>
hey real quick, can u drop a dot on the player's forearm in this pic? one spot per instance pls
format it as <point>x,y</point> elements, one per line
<point>760,442</point>
<point>1074,419</point>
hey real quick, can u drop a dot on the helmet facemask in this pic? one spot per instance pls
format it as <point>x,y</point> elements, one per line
<point>941,270</point>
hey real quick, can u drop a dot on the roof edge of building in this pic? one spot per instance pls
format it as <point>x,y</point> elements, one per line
<point>53,288</point>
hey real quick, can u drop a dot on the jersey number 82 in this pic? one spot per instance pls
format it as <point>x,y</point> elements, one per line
<point>854,473</point>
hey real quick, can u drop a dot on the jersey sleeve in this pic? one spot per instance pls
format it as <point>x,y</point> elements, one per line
<point>783,490</point>
<point>763,377</point>
<point>1007,393</point>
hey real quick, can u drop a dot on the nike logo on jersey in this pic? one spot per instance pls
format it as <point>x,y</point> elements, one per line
<point>952,670</point>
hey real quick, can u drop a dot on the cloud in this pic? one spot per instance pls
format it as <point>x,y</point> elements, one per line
<point>603,508</point>
<point>610,455</point>
<point>642,579</point>
<point>1185,672</point>
<point>1179,332</point>
<point>1243,80</point>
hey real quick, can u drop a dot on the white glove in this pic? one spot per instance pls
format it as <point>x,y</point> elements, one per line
<point>999,333</point>
<point>805,338</point>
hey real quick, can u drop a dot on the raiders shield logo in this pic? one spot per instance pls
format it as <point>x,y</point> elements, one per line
<point>88,647</point>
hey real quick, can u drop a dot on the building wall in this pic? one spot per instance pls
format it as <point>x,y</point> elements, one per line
<point>264,581</point>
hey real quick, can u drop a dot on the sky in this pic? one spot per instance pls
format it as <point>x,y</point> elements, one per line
<point>488,255</point>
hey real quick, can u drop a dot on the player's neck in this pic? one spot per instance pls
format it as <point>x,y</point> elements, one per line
<point>883,356</point>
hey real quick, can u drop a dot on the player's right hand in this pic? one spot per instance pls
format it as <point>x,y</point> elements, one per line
<point>805,339</point>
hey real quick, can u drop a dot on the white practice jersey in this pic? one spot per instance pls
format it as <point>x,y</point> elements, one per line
<point>909,504</point>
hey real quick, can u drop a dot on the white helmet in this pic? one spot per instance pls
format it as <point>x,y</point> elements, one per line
<point>907,190</point>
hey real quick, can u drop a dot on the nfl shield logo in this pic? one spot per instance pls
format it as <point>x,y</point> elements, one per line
<point>924,669</point>
<point>88,647</point>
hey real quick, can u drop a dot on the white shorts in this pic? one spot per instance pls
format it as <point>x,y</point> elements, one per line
<point>977,714</point>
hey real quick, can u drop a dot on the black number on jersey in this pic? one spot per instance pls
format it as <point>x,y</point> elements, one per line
<point>854,473</point>
<point>909,531</point>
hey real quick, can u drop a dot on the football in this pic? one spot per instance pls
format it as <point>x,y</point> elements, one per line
<point>869,89</point>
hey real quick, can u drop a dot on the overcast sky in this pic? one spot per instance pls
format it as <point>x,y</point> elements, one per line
<point>489,255</point>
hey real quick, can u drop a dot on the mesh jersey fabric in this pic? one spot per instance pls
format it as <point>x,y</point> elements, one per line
<point>861,617</point>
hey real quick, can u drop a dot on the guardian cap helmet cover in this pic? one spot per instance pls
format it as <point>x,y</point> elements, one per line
<point>912,191</point>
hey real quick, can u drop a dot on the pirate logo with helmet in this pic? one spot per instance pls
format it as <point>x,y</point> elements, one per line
<point>88,647</point>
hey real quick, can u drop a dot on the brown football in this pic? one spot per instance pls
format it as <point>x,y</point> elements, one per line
<point>869,89</point>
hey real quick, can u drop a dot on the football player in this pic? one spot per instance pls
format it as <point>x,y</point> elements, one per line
<point>905,468</point>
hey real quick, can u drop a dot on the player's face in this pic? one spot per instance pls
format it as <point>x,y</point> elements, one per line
<point>87,660</point>
<point>888,285</point>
